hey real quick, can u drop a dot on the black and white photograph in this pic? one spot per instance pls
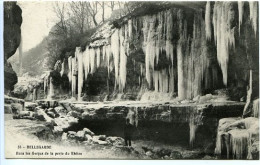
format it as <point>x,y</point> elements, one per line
<point>131,80</point>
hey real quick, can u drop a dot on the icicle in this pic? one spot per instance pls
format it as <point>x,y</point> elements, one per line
<point>253,6</point>
<point>256,108</point>
<point>51,90</point>
<point>156,81</point>
<point>86,62</point>
<point>108,54</point>
<point>44,86</point>
<point>104,52</point>
<point>70,69</point>
<point>181,87</point>
<point>224,36</point>
<point>74,74</point>
<point>193,129</point>
<point>150,46</point>
<point>240,13</point>
<point>130,28</point>
<point>92,60</point>
<point>208,21</point>
<point>115,47</point>
<point>123,62</point>
<point>239,143</point>
<point>171,80</point>
<point>62,68</point>
<point>98,56</point>
<point>79,55</point>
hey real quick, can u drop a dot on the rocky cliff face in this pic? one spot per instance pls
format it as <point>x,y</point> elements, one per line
<point>12,37</point>
<point>171,49</point>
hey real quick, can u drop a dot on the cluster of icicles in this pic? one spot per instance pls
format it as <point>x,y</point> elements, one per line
<point>237,143</point>
<point>188,70</point>
<point>187,56</point>
<point>48,87</point>
<point>114,56</point>
<point>223,33</point>
<point>158,39</point>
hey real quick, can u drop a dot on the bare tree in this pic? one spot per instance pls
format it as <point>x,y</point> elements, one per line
<point>111,5</point>
<point>80,15</point>
<point>60,10</point>
<point>93,9</point>
<point>102,5</point>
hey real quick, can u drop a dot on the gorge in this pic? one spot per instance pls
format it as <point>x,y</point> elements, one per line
<point>182,72</point>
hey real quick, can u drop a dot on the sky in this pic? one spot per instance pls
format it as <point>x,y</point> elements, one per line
<point>38,19</point>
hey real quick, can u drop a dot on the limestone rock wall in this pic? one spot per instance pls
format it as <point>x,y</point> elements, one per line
<point>12,37</point>
<point>172,50</point>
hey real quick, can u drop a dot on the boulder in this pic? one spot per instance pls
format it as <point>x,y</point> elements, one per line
<point>16,108</point>
<point>65,122</point>
<point>40,113</point>
<point>71,134</point>
<point>96,140</point>
<point>87,131</point>
<point>74,114</point>
<point>102,137</point>
<point>149,153</point>
<point>117,141</point>
<point>30,106</point>
<point>175,155</point>
<point>57,129</point>
<point>80,135</point>
<point>51,114</point>
<point>60,110</point>
<point>236,138</point>
<point>24,113</point>
<point>100,142</point>
<point>64,136</point>
<point>88,138</point>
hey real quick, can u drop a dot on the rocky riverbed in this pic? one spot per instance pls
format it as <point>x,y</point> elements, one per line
<point>95,130</point>
<point>27,132</point>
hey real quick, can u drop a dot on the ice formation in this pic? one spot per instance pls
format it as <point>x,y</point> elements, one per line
<point>86,60</point>
<point>123,61</point>
<point>240,13</point>
<point>98,56</point>
<point>158,39</point>
<point>195,119</point>
<point>224,35</point>
<point>45,85</point>
<point>253,5</point>
<point>208,21</point>
<point>73,76</point>
<point>236,136</point>
<point>177,59</point>
<point>115,51</point>
<point>62,68</point>
<point>79,58</point>
<point>51,90</point>
<point>256,108</point>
